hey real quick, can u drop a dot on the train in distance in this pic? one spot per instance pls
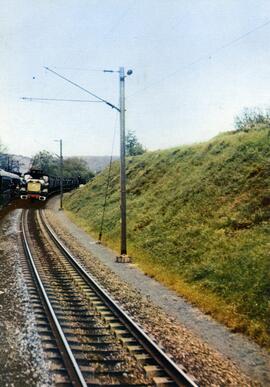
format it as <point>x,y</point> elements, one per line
<point>9,187</point>
<point>38,185</point>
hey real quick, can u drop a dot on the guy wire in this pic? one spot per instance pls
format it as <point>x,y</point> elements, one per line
<point>107,183</point>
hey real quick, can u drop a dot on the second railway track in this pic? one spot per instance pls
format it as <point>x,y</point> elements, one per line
<point>89,340</point>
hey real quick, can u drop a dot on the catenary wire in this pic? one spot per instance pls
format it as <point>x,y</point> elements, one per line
<point>58,99</point>
<point>121,17</point>
<point>109,31</point>
<point>76,68</point>
<point>83,88</point>
<point>202,58</point>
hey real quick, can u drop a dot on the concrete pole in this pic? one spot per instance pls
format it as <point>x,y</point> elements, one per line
<point>123,247</point>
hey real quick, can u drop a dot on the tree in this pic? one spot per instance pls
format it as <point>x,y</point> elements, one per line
<point>8,161</point>
<point>2,155</point>
<point>2,148</point>
<point>133,147</point>
<point>72,166</point>
<point>251,117</point>
<point>46,161</point>
<point>76,166</point>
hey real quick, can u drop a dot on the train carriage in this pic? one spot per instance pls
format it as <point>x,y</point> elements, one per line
<point>9,187</point>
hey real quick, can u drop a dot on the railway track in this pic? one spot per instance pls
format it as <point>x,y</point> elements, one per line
<point>87,338</point>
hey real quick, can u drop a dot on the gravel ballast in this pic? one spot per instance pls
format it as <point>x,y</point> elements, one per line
<point>207,350</point>
<point>21,357</point>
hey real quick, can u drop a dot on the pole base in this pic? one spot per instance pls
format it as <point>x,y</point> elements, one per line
<point>123,258</point>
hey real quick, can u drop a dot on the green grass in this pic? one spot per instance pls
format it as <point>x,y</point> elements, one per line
<point>198,220</point>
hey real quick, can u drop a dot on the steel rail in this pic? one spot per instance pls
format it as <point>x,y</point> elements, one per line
<point>176,373</point>
<point>72,367</point>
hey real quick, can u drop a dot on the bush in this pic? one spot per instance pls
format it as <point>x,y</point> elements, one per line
<point>249,118</point>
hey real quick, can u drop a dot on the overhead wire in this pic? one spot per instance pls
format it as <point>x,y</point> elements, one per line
<point>83,88</point>
<point>76,68</point>
<point>202,58</point>
<point>107,183</point>
<point>58,99</point>
<point>107,33</point>
<point>116,24</point>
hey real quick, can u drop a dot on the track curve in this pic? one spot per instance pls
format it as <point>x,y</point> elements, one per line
<point>74,301</point>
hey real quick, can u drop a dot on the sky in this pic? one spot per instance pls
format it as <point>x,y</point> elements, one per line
<point>196,64</point>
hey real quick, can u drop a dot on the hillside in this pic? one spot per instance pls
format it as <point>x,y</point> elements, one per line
<point>97,163</point>
<point>198,220</point>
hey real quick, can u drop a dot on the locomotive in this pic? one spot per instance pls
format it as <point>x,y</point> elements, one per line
<point>9,187</point>
<point>39,185</point>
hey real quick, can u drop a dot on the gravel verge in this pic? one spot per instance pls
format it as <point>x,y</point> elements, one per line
<point>21,357</point>
<point>186,335</point>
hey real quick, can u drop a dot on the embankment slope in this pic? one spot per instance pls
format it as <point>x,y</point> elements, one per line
<point>198,220</point>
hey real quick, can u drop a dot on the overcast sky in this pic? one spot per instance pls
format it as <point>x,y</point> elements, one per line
<point>196,64</point>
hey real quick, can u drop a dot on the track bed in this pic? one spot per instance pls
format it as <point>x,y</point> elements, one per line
<point>87,338</point>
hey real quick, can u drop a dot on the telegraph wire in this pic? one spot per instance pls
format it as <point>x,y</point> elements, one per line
<point>241,37</point>
<point>203,57</point>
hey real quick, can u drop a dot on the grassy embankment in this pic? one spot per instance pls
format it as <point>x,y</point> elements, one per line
<point>198,221</point>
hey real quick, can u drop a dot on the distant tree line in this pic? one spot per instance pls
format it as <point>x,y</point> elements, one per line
<point>72,166</point>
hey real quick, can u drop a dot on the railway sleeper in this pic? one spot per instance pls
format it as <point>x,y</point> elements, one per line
<point>53,356</point>
<point>73,319</point>
<point>153,371</point>
<point>103,352</point>
<point>97,304</point>
<point>62,381</point>
<point>112,326</point>
<point>121,331</point>
<point>77,310</point>
<point>85,336</point>
<point>87,326</point>
<point>91,344</point>
<point>92,327</point>
<point>142,357</point>
<point>135,349</point>
<point>82,361</point>
<point>111,373</point>
<point>46,337</point>
<point>44,330</point>
<point>73,314</point>
<point>163,381</point>
<point>57,366</point>
<point>128,340</point>
<point>88,332</point>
